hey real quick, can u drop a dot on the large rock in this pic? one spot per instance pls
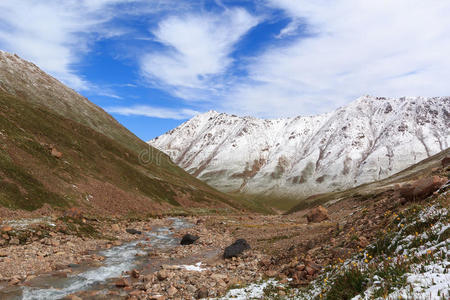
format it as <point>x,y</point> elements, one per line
<point>202,293</point>
<point>74,212</point>
<point>188,239</point>
<point>162,275</point>
<point>172,291</point>
<point>133,231</point>
<point>317,214</point>
<point>14,241</point>
<point>236,248</point>
<point>121,283</point>
<point>445,161</point>
<point>6,228</point>
<point>421,188</point>
<point>55,153</point>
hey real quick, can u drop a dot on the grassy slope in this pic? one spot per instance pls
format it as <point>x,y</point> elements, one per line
<point>33,85</point>
<point>366,190</point>
<point>30,176</point>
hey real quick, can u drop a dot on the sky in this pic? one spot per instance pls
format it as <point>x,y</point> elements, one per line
<point>153,64</point>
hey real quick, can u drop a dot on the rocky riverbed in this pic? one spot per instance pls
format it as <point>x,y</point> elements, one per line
<point>76,257</point>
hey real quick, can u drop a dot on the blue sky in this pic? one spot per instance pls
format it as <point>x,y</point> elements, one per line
<point>153,64</point>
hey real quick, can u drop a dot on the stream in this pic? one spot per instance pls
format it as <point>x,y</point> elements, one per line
<point>118,259</point>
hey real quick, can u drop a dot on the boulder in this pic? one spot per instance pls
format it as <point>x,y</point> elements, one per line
<point>133,231</point>
<point>14,280</point>
<point>445,161</point>
<point>56,153</point>
<point>135,273</point>
<point>14,241</point>
<point>6,228</point>
<point>202,293</point>
<point>271,273</point>
<point>362,242</point>
<point>121,283</point>
<point>162,275</point>
<point>421,188</point>
<point>317,214</point>
<point>188,239</point>
<point>74,212</point>
<point>236,248</point>
<point>157,297</point>
<point>172,291</point>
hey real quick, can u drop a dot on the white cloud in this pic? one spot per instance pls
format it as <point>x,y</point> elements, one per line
<point>198,48</point>
<point>52,34</point>
<point>354,47</point>
<point>154,112</point>
<point>349,48</point>
<point>56,34</point>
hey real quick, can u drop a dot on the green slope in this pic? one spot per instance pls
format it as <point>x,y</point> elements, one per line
<point>30,176</point>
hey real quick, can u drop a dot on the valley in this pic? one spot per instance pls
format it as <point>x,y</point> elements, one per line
<point>289,252</point>
<point>351,204</point>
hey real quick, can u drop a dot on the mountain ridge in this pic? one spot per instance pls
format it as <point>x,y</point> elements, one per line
<point>58,148</point>
<point>26,80</point>
<point>367,140</point>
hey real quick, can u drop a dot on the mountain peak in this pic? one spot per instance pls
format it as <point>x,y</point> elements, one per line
<point>358,143</point>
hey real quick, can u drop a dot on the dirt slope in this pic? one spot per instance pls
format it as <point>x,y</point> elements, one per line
<point>48,159</point>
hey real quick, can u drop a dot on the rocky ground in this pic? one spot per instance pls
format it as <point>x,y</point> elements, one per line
<point>38,245</point>
<point>59,246</point>
<point>294,249</point>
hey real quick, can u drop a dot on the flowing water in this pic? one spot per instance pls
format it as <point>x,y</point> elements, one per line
<point>117,260</point>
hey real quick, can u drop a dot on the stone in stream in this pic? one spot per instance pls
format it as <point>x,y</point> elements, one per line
<point>15,280</point>
<point>188,239</point>
<point>135,273</point>
<point>121,283</point>
<point>236,248</point>
<point>133,231</point>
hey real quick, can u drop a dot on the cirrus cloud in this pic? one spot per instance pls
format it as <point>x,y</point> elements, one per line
<point>153,112</point>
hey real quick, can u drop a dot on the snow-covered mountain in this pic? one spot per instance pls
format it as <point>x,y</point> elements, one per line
<point>368,140</point>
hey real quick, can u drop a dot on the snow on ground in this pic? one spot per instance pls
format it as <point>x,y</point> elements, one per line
<point>433,284</point>
<point>253,291</point>
<point>22,224</point>
<point>423,255</point>
<point>197,267</point>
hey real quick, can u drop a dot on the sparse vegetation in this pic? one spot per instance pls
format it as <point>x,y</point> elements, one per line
<point>30,176</point>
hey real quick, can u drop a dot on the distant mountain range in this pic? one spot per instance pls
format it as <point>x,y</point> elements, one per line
<point>60,149</point>
<point>367,140</point>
